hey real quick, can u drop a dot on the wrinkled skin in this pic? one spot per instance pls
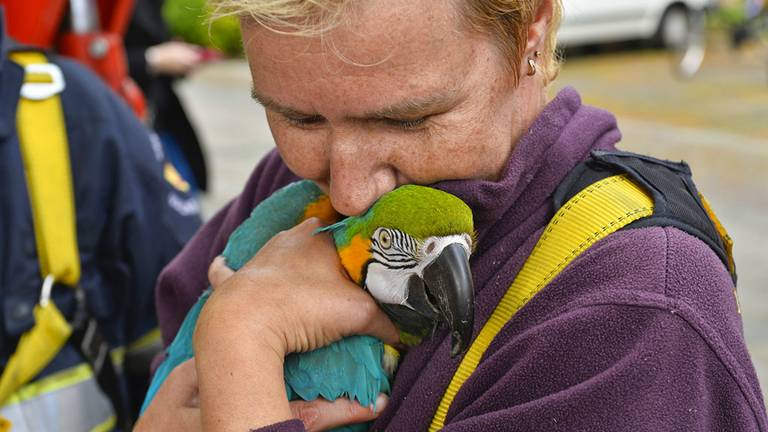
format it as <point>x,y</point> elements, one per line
<point>351,128</point>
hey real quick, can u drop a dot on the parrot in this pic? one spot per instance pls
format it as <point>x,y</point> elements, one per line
<point>410,251</point>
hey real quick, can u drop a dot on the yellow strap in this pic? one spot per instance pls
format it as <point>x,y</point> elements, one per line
<point>44,149</point>
<point>722,232</point>
<point>598,210</point>
<point>36,348</point>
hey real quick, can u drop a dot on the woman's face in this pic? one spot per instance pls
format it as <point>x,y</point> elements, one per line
<point>400,93</point>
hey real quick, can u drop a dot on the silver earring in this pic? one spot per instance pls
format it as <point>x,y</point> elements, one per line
<point>531,67</point>
<point>532,64</point>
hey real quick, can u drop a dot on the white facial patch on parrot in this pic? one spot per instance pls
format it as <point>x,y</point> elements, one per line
<point>397,256</point>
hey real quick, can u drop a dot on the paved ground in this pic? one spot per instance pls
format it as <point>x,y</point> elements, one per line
<point>718,122</point>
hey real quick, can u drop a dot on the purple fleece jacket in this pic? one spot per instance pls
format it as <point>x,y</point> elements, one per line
<point>640,333</point>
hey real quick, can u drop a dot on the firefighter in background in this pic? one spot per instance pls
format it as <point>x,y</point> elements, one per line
<point>155,62</point>
<point>90,213</point>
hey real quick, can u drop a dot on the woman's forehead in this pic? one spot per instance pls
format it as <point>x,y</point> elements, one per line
<point>405,48</point>
<point>370,33</point>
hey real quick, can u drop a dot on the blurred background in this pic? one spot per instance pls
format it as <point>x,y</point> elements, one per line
<point>683,87</point>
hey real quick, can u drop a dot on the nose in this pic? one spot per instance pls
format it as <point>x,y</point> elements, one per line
<point>359,172</point>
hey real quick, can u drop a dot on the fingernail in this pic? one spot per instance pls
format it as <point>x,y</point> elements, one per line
<point>381,402</point>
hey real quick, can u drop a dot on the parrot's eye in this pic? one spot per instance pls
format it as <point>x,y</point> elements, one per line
<point>385,239</point>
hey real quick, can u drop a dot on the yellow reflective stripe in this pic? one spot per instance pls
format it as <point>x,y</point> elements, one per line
<point>722,232</point>
<point>598,210</point>
<point>118,356</point>
<point>56,381</point>
<point>44,148</point>
<point>150,338</point>
<point>36,348</point>
<point>145,341</point>
<point>108,425</point>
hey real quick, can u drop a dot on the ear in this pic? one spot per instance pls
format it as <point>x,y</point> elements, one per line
<point>537,31</point>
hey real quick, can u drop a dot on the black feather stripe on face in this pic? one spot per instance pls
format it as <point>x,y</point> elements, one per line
<point>401,253</point>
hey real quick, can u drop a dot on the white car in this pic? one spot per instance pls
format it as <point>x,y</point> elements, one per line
<point>668,22</point>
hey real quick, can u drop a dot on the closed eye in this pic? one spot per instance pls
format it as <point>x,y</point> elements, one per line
<point>305,121</point>
<point>406,124</point>
<point>317,120</point>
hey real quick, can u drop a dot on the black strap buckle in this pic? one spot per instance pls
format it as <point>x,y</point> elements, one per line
<point>93,346</point>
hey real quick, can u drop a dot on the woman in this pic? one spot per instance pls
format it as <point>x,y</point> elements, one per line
<point>365,96</point>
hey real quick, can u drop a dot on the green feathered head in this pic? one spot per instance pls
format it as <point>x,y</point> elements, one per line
<point>418,211</point>
<point>411,251</point>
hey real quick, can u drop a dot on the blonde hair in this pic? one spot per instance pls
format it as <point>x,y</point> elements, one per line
<point>505,20</point>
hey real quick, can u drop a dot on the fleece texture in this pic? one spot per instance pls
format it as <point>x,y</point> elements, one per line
<point>640,333</point>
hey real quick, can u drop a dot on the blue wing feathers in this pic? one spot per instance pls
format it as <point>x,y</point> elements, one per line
<point>351,367</point>
<point>281,211</point>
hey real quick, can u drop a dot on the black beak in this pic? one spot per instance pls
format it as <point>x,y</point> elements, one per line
<point>449,289</point>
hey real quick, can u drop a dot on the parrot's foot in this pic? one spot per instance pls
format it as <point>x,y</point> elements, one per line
<point>391,359</point>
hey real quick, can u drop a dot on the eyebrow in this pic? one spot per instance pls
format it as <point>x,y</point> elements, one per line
<point>271,105</point>
<point>409,108</point>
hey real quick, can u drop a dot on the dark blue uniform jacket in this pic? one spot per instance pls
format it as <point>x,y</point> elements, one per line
<point>130,221</point>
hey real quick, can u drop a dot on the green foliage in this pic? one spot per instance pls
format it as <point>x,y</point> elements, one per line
<point>189,20</point>
<point>726,17</point>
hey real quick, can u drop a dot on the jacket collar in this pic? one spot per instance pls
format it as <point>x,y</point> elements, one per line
<point>509,210</point>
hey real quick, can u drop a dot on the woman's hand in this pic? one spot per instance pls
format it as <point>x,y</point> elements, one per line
<point>292,296</point>
<point>302,295</point>
<point>175,407</point>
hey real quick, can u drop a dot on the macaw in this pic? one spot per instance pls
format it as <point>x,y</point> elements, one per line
<point>410,250</point>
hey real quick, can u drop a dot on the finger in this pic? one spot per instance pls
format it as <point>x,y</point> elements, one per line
<point>175,406</point>
<point>181,385</point>
<point>320,414</point>
<point>309,225</point>
<point>379,325</point>
<point>218,272</point>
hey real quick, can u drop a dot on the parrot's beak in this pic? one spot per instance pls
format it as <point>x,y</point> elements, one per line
<point>444,292</point>
<point>449,288</point>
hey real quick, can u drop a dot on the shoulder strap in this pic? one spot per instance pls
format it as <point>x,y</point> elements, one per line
<point>596,211</point>
<point>45,153</point>
<point>677,201</point>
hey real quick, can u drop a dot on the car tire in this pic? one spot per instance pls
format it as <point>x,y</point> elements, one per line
<point>682,33</point>
<point>674,27</point>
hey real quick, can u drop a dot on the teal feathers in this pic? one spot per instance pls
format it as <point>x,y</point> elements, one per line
<point>281,211</point>
<point>351,367</point>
